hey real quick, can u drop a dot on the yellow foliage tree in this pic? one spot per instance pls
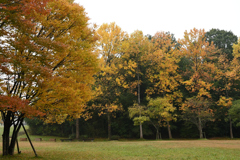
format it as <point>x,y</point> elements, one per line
<point>74,66</point>
<point>107,81</point>
<point>135,48</point>
<point>163,67</point>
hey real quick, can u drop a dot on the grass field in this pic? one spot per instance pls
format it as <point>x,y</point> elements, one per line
<point>194,149</point>
<point>102,149</point>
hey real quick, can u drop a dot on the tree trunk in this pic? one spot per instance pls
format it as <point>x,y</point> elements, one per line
<point>109,126</point>
<point>16,129</point>
<point>72,130</point>
<point>139,101</point>
<point>141,131</point>
<point>169,130</point>
<point>6,131</point>
<point>5,138</point>
<point>157,135</point>
<point>8,119</point>
<point>200,128</point>
<point>230,123</point>
<point>77,128</point>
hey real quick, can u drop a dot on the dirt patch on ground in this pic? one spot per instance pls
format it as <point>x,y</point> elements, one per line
<point>38,144</point>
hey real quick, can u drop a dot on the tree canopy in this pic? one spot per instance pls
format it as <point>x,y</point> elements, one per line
<point>47,60</point>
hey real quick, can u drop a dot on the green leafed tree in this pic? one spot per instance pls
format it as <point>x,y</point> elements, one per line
<point>139,114</point>
<point>223,40</point>
<point>160,109</point>
<point>234,112</point>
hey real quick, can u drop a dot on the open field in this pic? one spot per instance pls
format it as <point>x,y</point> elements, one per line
<point>187,149</point>
<point>103,149</point>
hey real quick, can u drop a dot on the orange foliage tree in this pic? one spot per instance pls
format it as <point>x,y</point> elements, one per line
<point>200,77</point>
<point>47,62</point>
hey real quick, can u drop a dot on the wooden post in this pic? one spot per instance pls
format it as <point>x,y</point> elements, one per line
<point>29,140</point>
<point>18,146</point>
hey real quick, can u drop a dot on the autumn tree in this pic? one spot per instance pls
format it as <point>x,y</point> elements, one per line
<point>224,87</point>
<point>162,74</point>
<point>48,63</point>
<point>15,23</point>
<point>200,77</point>
<point>162,71</point>
<point>229,75</point>
<point>110,43</point>
<point>234,72</point>
<point>160,109</point>
<point>224,104</point>
<point>227,83</point>
<point>132,65</point>
<point>197,111</point>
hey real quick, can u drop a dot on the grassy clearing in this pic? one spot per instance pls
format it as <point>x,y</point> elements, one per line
<point>132,150</point>
<point>194,149</point>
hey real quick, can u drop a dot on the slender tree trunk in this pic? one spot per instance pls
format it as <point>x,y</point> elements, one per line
<point>109,126</point>
<point>72,130</point>
<point>157,134</point>
<point>139,101</point>
<point>200,128</point>
<point>169,130</point>
<point>141,131</point>
<point>157,130</point>
<point>230,123</point>
<point>77,128</point>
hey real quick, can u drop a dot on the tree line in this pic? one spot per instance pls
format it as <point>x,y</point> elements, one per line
<point>158,84</point>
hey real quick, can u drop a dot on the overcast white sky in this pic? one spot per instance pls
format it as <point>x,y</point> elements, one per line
<point>174,16</point>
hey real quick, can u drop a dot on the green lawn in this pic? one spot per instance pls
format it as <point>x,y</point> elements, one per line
<point>102,149</point>
<point>194,149</point>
